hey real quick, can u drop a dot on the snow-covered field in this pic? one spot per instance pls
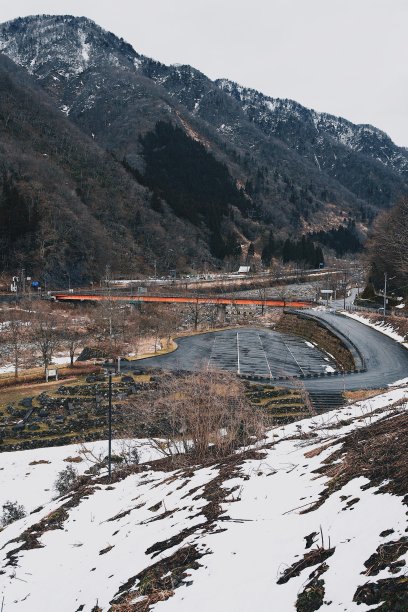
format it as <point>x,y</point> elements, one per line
<point>31,484</point>
<point>94,544</point>
<point>59,359</point>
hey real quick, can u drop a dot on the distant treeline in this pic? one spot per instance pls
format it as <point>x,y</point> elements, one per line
<point>307,250</point>
<point>302,251</point>
<point>342,240</point>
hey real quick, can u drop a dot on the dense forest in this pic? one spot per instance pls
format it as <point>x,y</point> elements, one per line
<point>303,252</point>
<point>342,240</point>
<point>196,186</point>
<point>387,249</point>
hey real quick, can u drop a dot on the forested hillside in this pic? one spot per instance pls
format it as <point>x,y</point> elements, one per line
<point>66,206</point>
<point>111,158</point>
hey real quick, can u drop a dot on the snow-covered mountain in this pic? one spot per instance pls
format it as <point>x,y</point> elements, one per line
<point>113,92</point>
<point>77,44</point>
<point>294,170</point>
<point>312,132</point>
<point>312,518</point>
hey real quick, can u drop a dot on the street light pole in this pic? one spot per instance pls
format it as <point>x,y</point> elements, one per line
<point>110,428</point>
<point>345,289</point>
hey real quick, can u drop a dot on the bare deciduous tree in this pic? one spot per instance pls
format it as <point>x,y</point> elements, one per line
<point>46,335</point>
<point>73,338</point>
<point>388,246</point>
<point>14,337</point>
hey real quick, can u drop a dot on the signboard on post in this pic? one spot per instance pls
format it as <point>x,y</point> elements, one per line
<point>51,372</point>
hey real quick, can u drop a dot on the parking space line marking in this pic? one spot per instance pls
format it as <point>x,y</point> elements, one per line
<point>266,359</point>
<point>211,353</point>
<point>238,363</point>
<point>293,357</point>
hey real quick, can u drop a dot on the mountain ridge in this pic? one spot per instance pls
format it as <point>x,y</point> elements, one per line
<point>300,171</point>
<point>349,131</point>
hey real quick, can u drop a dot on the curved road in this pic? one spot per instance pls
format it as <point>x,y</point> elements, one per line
<point>386,361</point>
<point>269,353</point>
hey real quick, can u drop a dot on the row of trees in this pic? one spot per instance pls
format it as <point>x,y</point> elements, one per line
<point>33,334</point>
<point>31,337</point>
<point>304,251</point>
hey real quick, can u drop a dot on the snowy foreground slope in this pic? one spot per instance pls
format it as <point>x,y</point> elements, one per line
<point>313,518</point>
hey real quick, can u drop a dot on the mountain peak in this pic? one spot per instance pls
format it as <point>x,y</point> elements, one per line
<point>62,45</point>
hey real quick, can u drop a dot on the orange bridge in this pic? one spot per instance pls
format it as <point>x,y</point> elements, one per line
<point>78,297</point>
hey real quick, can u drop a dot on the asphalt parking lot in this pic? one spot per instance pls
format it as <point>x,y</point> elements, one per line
<point>249,351</point>
<point>265,352</point>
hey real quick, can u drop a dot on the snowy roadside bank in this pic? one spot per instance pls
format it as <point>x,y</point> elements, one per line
<point>385,328</point>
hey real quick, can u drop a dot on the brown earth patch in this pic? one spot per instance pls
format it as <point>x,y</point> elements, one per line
<point>378,452</point>
<point>313,557</point>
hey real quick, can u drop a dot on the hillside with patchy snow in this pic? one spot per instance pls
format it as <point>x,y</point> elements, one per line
<point>299,170</point>
<point>312,518</point>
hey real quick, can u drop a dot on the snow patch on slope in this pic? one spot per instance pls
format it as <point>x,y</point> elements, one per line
<point>106,538</point>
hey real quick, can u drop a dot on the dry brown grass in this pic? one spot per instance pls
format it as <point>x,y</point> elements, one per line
<point>361,394</point>
<point>36,375</point>
<point>377,451</point>
<point>316,451</point>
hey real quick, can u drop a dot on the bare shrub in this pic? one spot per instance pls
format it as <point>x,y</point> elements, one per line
<point>128,452</point>
<point>66,480</point>
<point>201,414</point>
<point>12,511</point>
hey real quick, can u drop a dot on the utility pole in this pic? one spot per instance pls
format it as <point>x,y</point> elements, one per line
<point>23,281</point>
<point>385,292</point>
<point>110,428</point>
<point>108,287</point>
<point>345,289</point>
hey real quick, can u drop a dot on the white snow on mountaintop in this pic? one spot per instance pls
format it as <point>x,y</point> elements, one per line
<point>105,540</point>
<point>85,47</point>
<point>364,138</point>
<point>42,33</point>
<point>66,45</point>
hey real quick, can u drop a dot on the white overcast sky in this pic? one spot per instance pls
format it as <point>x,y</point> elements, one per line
<point>345,57</point>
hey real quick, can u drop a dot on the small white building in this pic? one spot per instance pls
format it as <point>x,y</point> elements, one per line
<point>244,269</point>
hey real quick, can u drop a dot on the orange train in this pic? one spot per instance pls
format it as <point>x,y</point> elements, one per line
<point>78,297</point>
